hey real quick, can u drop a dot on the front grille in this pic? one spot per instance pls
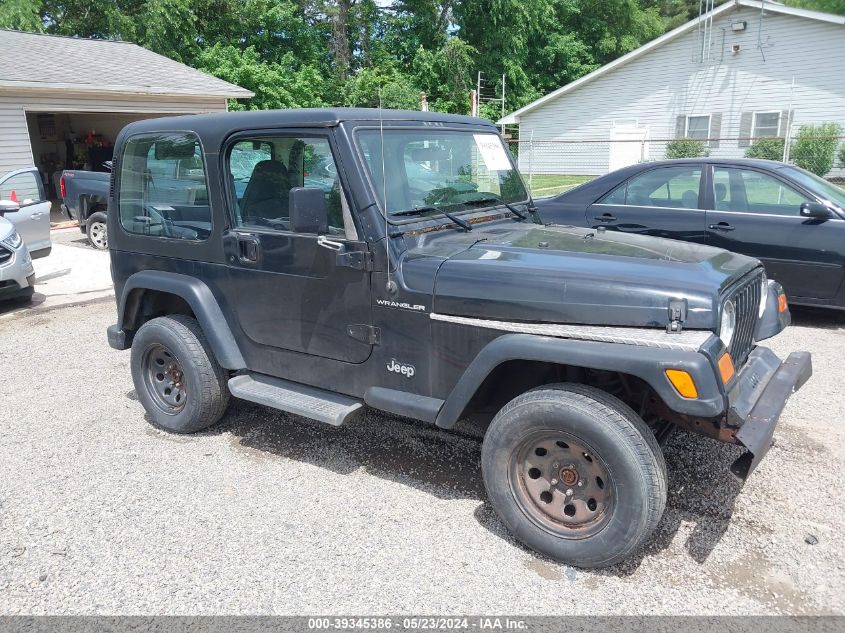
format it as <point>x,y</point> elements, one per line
<point>5,255</point>
<point>746,297</point>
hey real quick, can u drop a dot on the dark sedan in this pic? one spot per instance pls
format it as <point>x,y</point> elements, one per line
<point>791,220</point>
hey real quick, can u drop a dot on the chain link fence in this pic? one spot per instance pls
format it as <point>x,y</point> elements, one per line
<point>551,166</point>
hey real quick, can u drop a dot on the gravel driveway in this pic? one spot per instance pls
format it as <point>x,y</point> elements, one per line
<point>270,513</point>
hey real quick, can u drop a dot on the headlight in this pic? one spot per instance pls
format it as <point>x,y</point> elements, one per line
<point>13,240</point>
<point>764,293</point>
<point>728,327</point>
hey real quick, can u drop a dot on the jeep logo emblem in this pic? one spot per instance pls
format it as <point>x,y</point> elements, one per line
<point>400,368</point>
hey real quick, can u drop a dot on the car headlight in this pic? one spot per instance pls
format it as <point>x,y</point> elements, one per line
<point>764,293</point>
<point>728,326</point>
<point>12,240</point>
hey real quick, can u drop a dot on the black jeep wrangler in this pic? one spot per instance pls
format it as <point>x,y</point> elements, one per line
<point>321,261</point>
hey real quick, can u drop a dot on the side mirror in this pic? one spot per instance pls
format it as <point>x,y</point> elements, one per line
<point>9,206</point>
<point>815,210</point>
<point>308,210</point>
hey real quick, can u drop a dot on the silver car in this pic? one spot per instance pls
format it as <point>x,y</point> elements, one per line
<point>17,275</point>
<point>25,205</point>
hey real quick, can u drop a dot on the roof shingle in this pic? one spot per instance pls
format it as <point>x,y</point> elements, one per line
<point>35,60</point>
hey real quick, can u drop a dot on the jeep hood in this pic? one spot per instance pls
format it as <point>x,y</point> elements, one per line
<point>561,274</point>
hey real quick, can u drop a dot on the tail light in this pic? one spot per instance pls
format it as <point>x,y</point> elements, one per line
<point>62,190</point>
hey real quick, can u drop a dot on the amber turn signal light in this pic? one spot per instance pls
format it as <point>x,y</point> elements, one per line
<point>683,382</point>
<point>726,367</point>
<point>782,304</point>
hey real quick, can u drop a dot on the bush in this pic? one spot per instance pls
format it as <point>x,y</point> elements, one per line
<point>842,156</point>
<point>686,148</point>
<point>815,147</point>
<point>766,148</point>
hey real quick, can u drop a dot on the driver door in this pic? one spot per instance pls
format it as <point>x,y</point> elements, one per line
<point>294,291</point>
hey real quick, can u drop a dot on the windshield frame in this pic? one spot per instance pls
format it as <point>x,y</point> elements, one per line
<point>810,183</point>
<point>422,127</point>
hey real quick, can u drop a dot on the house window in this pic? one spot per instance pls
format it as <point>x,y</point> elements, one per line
<point>766,124</point>
<point>698,127</point>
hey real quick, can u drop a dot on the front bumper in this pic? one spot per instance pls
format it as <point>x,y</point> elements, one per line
<point>757,399</point>
<point>17,275</point>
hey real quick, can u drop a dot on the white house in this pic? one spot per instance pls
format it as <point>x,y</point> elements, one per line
<point>63,100</point>
<point>743,70</point>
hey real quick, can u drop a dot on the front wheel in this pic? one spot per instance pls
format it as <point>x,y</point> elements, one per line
<point>574,474</point>
<point>95,229</point>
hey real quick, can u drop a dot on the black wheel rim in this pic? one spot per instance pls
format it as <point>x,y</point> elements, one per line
<point>561,484</point>
<point>164,379</point>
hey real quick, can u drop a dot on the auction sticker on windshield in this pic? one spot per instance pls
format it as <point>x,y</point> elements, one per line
<point>492,152</point>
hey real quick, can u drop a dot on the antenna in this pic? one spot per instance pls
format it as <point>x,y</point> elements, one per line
<point>390,287</point>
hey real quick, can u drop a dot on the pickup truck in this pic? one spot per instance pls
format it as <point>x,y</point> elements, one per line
<point>85,199</point>
<point>323,261</point>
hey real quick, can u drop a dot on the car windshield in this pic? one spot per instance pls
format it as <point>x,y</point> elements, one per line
<point>427,170</point>
<point>819,186</point>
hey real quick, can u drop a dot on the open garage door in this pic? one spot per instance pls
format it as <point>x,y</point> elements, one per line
<point>74,140</point>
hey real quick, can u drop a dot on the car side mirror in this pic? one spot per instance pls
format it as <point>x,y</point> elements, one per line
<point>9,206</point>
<point>308,210</point>
<point>815,210</point>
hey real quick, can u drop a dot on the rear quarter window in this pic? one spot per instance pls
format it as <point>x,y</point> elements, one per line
<point>163,190</point>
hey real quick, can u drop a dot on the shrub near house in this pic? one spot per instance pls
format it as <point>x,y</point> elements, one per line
<point>815,147</point>
<point>686,148</point>
<point>766,148</point>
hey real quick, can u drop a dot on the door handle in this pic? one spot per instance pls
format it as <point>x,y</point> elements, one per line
<point>325,242</point>
<point>721,226</point>
<point>606,217</point>
<point>36,216</point>
<point>249,249</point>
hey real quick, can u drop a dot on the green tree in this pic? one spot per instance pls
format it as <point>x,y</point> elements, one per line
<point>283,84</point>
<point>21,15</point>
<point>829,6</point>
<point>446,75</point>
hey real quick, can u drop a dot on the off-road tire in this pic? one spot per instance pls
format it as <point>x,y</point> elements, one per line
<point>205,381</point>
<point>626,448</point>
<point>95,226</point>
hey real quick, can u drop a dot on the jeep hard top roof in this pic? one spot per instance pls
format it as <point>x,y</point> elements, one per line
<point>305,117</point>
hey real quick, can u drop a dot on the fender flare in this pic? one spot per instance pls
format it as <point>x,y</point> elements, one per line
<point>202,302</point>
<point>647,363</point>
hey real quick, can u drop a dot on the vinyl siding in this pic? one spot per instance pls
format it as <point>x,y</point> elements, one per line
<point>15,148</point>
<point>668,82</point>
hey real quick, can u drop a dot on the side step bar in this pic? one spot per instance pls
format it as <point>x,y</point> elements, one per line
<point>309,402</point>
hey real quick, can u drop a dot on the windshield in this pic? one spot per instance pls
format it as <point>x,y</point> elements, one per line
<point>819,186</point>
<point>429,170</point>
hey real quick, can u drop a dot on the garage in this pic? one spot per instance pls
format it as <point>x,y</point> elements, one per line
<point>63,100</point>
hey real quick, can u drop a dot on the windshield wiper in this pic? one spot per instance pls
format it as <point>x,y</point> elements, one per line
<point>492,198</point>
<point>466,226</point>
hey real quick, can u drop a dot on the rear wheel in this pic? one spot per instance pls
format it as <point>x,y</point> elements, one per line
<point>575,474</point>
<point>176,376</point>
<point>95,230</point>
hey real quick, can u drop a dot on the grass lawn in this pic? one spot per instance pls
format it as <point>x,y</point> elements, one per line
<point>548,185</point>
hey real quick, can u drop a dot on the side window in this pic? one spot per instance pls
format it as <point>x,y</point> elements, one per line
<point>22,188</point>
<point>265,170</point>
<point>617,196</point>
<point>748,191</point>
<point>671,187</point>
<point>163,187</point>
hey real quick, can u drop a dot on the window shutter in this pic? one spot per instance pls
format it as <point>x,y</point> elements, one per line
<point>715,129</point>
<point>680,126</point>
<point>786,117</point>
<point>745,121</point>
